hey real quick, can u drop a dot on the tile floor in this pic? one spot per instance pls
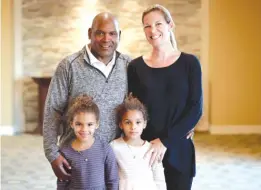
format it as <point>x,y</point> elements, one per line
<point>223,162</point>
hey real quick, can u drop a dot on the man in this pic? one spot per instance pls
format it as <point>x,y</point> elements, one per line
<point>97,70</point>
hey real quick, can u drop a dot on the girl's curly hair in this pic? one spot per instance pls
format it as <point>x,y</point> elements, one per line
<point>82,103</point>
<point>130,103</point>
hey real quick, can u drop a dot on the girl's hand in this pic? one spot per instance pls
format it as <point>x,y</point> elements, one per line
<point>156,151</point>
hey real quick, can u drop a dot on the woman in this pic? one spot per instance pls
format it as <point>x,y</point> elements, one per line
<point>169,83</point>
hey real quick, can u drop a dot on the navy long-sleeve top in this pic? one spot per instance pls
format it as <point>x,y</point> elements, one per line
<point>173,97</point>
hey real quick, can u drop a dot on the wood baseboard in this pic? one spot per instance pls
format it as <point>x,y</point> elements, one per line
<point>235,129</point>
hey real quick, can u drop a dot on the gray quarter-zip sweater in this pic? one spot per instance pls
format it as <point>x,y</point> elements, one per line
<point>74,76</point>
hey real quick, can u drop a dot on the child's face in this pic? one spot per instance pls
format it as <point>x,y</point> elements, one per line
<point>84,125</point>
<point>133,124</point>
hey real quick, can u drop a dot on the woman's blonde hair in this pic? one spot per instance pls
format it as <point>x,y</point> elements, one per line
<point>167,17</point>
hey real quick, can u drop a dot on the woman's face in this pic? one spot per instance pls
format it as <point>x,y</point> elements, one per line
<point>156,29</point>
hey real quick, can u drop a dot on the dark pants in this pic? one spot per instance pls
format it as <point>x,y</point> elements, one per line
<point>176,180</point>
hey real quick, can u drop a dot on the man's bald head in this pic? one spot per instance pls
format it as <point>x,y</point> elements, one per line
<point>105,36</point>
<point>105,17</point>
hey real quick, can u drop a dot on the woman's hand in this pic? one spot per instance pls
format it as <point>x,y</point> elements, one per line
<point>156,151</point>
<point>190,134</point>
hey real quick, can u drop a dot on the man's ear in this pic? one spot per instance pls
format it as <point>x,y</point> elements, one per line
<point>120,126</point>
<point>89,33</point>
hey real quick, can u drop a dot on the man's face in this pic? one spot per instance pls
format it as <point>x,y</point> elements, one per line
<point>104,36</point>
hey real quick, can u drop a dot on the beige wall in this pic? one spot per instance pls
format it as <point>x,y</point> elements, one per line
<point>7,64</point>
<point>232,46</point>
<point>235,62</point>
<point>1,64</point>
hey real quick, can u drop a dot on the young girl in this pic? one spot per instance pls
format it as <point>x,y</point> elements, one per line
<point>134,171</point>
<point>93,163</point>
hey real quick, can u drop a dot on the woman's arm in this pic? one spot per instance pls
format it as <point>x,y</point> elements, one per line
<point>191,115</point>
<point>193,110</point>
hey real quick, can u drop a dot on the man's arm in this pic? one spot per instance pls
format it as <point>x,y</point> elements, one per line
<point>56,101</point>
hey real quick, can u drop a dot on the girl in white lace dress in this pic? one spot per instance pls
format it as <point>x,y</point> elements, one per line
<point>134,170</point>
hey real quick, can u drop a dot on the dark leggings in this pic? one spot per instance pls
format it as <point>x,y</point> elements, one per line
<point>176,180</point>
